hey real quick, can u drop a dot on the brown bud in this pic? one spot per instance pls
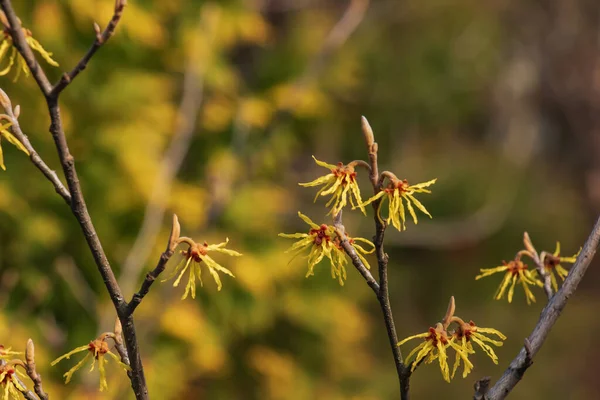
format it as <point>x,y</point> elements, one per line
<point>175,232</point>
<point>30,353</point>
<point>367,131</point>
<point>528,244</point>
<point>118,331</point>
<point>449,312</point>
<point>17,111</point>
<point>5,101</point>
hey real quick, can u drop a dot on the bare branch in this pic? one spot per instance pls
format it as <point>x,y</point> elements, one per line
<point>101,38</point>
<point>160,267</point>
<point>36,159</point>
<point>549,315</point>
<point>77,203</point>
<point>19,41</point>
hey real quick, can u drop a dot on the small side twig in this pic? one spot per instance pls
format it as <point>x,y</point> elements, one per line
<point>481,388</point>
<point>548,318</point>
<point>101,38</point>
<point>539,265</point>
<point>160,267</point>
<point>36,159</point>
<point>32,372</point>
<point>358,264</point>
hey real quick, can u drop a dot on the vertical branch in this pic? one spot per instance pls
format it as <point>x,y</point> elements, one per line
<point>383,296</point>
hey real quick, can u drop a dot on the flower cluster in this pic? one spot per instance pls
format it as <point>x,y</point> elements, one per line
<point>341,186</point>
<point>193,257</point>
<point>437,340</point>
<point>517,273</point>
<point>97,350</point>
<point>7,47</point>
<point>323,241</point>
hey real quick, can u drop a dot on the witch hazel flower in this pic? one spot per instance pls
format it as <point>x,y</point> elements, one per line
<point>323,242</point>
<point>340,183</point>
<point>96,351</point>
<point>400,194</point>
<point>194,257</point>
<point>439,339</point>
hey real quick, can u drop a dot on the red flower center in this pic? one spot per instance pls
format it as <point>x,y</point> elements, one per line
<point>515,266</point>
<point>436,337</point>
<point>347,173</point>
<point>320,235</point>
<point>98,347</point>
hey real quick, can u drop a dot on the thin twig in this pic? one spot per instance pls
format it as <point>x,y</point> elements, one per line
<point>37,160</point>
<point>160,267</point>
<point>356,261</point>
<point>101,38</point>
<point>549,315</point>
<point>481,388</point>
<point>32,372</point>
<point>532,253</point>
<point>77,204</point>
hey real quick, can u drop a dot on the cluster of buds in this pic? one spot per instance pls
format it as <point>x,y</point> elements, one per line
<point>516,272</point>
<point>452,332</point>
<point>7,46</point>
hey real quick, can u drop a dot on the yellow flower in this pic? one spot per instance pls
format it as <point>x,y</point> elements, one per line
<point>341,184</point>
<point>5,133</point>
<point>6,353</point>
<point>432,348</point>
<point>516,272</point>
<point>7,47</point>
<point>361,251</point>
<point>11,388</point>
<point>462,341</point>
<point>396,192</point>
<point>96,351</point>
<point>193,257</point>
<point>322,241</point>
<point>553,267</point>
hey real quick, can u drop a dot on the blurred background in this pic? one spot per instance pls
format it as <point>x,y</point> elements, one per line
<point>212,110</point>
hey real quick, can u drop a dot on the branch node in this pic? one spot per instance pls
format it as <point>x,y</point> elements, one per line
<point>481,388</point>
